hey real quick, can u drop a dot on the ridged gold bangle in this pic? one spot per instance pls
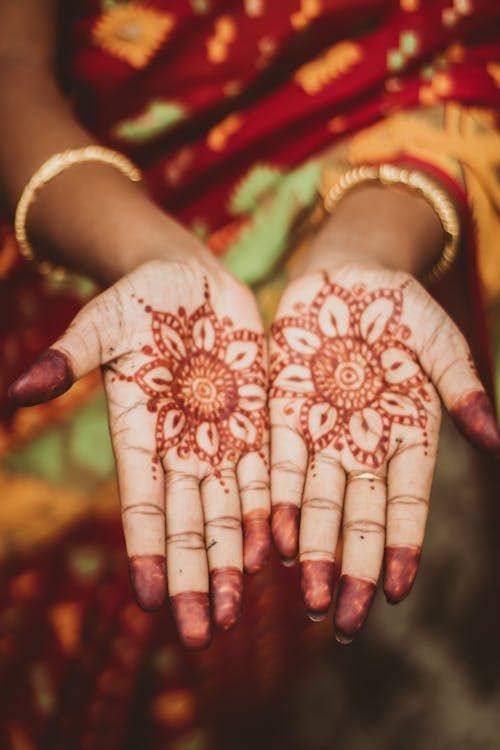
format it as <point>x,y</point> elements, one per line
<point>415,181</point>
<point>51,168</point>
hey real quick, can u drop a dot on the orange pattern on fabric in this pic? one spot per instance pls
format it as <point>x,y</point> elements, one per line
<point>410,6</point>
<point>133,33</point>
<point>467,143</point>
<point>218,136</point>
<point>336,61</point>
<point>218,43</point>
<point>494,71</point>
<point>174,708</point>
<point>65,618</point>
<point>309,10</point>
<point>254,8</point>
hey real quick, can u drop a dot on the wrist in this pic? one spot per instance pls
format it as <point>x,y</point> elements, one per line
<point>379,226</point>
<point>94,220</point>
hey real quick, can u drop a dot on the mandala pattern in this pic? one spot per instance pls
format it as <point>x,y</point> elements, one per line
<point>206,382</point>
<point>343,359</point>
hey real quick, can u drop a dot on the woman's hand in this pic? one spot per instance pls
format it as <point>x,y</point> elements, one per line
<point>183,356</point>
<point>359,355</point>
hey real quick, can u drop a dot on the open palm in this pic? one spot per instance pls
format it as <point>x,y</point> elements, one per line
<point>358,357</point>
<point>185,373</point>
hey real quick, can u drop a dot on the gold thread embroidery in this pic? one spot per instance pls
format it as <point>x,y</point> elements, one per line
<point>133,33</point>
<point>336,61</point>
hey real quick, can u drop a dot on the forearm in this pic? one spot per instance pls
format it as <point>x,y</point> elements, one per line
<point>90,217</point>
<point>382,226</point>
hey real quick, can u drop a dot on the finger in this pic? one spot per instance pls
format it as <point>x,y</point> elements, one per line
<point>447,359</point>
<point>253,481</point>
<point>320,521</point>
<point>221,507</point>
<point>364,534</point>
<point>86,343</point>
<point>187,570</point>
<point>141,489</point>
<point>409,484</point>
<point>288,469</point>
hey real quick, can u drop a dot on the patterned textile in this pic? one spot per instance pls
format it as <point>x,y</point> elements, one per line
<point>233,110</point>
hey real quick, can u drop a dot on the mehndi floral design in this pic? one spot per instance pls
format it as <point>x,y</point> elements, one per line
<point>344,358</point>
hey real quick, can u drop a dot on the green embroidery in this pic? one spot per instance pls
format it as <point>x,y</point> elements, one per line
<point>259,247</point>
<point>44,457</point>
<point>395,60</point>
<point>252,187</point>
<point>79,450</point>
<point>89,441</point>
<point>43,690</point>
<point>200,6</point>
<point>158,117</point>
<point>408,43</point>
<point>85,562</point>
<point>427,72</point>
<point>200,228</point>
<point>166,660</point>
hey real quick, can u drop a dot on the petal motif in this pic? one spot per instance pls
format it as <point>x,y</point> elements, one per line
<point>301,340</point>
<point>242,428</point>
<point>399,363</point>
<point>333,316</point>
<point>292,380</point>
<point>167,334</point>
<point>207,439</point>
<point>402,408</point>
<point>170,427</point>
<point>154,377</point>
<point>251,396</point>
<point>203,334</point>
<point>240,355</point>
<point>381,313</point>
<point>320,424</point>
<point>368,436</point>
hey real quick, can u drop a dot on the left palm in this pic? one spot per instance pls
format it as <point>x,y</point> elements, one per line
<point>355,424</point>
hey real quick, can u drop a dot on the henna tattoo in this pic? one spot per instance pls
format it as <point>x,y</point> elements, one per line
<point>316,578</point>
<point>206,381</point>
<point>191,611</point>
<point>354,600</point>
<point>256,540</point>
<point>49,376</point>
<point>400,569</point>
<point>147,574</point>
<point>227,589</point>
<point>285,528</point>
<point>343,360</point>
<point>475,418</point>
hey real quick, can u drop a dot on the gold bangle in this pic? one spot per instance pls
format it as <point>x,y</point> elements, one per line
<point>416,182</point>
<point>51,168</point>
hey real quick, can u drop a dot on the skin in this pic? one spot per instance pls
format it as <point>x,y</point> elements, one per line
<point>374,245</point>
<point>188,507</point>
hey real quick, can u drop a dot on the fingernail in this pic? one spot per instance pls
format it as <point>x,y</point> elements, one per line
<point>147,573</point>
<point>285,526</point>
<point>316,580</point>
<point>192,615</point>
<point>475,418</point>
<point>353,604</point>
<point>256,540</point>
<point>227,589</point>
<point>400,569</point>
<point>48,377</point>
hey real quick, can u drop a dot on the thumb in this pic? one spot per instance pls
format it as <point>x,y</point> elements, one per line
<point>448,361</point>
<point>78,351</point>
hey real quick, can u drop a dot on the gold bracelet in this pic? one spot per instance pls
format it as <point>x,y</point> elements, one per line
<point>51,168</point>
<point>415,181</point>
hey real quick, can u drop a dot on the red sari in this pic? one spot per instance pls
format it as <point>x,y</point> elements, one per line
<point>226,107</point>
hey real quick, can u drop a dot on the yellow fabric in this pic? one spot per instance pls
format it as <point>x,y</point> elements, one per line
<point>462,142</point>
